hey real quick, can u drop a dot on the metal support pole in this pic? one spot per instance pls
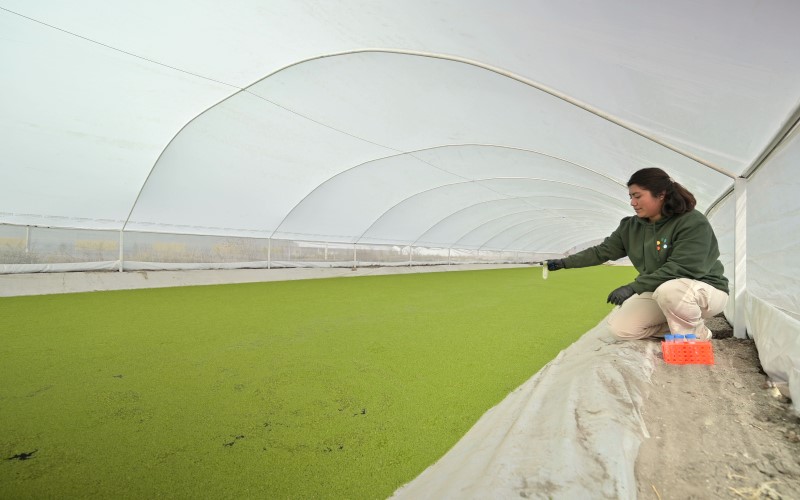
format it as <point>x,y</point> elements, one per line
<point>355,257</point>
<point>740,258</point>
<point>27,239</point>
<point>410,255</point>
<point>269,253</point>
<point>121,250</point>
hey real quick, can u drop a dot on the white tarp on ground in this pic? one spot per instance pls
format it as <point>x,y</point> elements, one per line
<point>571,431</point>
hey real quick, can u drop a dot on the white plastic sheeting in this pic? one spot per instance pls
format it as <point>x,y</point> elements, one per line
<point>270,127</point>
<point>771,306</point>
<point>583,408</point>
<point>408,130</point>
<point>773,302</point>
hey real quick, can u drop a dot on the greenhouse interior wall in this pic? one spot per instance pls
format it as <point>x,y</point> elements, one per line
<point>29,249</point>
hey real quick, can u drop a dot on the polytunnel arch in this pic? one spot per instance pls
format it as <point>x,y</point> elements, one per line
<point>526,229</point>
<point>416,155</point>
<point>257,94</point>
<point>527,212</point>
<point>524,204</point>
<point>481,229</point>
<point>570,238</point>
<point>508,74</point>
<point>403,175</point>
<point>535,216</point>
<point>476,182</point>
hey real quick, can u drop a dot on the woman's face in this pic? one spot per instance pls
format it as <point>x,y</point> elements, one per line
<point>644,203</point>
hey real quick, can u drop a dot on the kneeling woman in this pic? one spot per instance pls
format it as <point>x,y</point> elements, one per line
<point>674,248</point>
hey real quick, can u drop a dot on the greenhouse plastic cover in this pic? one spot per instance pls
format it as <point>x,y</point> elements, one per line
<point>458,126</point>
<point>276,118</point>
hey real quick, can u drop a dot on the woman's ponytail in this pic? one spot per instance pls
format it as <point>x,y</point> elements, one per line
<point>677,200</point>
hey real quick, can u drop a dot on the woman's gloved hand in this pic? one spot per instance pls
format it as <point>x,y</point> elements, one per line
<point>555,264</point>
<point>620,295</point>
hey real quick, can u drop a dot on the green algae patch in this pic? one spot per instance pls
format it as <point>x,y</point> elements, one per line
<point>333,388</point>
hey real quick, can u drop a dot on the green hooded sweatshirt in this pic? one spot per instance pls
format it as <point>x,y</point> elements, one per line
<point>679,246</point>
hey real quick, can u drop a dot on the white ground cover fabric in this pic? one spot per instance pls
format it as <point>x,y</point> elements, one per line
<point>571,431</point>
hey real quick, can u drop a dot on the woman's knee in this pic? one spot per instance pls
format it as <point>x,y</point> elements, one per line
<point>670,294</point>
<point>638,317</point>
<point>624,329</point>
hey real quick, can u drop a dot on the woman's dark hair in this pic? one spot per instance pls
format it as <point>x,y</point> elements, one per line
<point>677,199</point>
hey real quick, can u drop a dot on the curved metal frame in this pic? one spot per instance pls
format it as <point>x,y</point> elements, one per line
<point>534,84</point>
<point>546,222</point>
<point>443,146</point>
<point>405,200</point>
<point>484,223</point>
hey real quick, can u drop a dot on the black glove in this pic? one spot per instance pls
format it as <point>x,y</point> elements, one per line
<point>620,295</point>
<point>555,264</point>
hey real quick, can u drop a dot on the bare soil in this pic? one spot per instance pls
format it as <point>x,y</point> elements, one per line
<point>719,431</point>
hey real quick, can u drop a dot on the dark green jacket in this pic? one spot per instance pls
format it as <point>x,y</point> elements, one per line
<point>680,246</point>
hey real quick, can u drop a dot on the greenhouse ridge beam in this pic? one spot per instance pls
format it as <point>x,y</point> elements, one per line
<point>783,132</point>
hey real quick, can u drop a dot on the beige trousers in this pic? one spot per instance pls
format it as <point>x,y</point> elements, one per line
<point>677,306</point>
